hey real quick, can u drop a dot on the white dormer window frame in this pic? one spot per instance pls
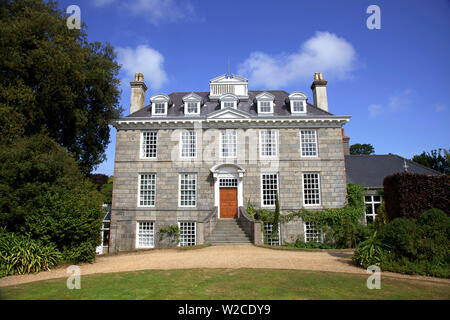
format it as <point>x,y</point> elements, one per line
<point>264,103</point>
<point>192,101</point>
<point>160,104</point>
<point>228,100</point>
<point>297,102</point>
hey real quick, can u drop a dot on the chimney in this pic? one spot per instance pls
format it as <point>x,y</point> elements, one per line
<point>138,89</point>
<point>346,143</point>
<point>319,89</point>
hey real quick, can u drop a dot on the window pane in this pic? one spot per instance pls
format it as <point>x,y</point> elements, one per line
<point>189,144</point>
<point>147,188</point>
<point>311,189</point>
<point>187,233</point>
<point>308,143</point>
<point>229,142</point>
<point>160,108</point>
<point>268,233</point>
<point>268,142</point>
<point>188,189</point>
<point>145,234</point>
<point>192,107</point>
<point>312,233</point>
<point>149,140</point>
<point>264,106</point>
<point>298,106</point>
<point>269,189</point>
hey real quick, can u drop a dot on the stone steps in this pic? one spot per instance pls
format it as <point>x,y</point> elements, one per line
<point>227,231</point>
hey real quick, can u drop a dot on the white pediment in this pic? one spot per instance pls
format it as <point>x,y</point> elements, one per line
<point>192,97</point>
<point>229,113</point>
<point>266,96</point>
<point>227,79</point>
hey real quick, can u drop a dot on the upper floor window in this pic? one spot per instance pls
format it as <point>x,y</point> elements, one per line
<point>228,104</point>
<point>308,143</point>
<point>228,100</point>
<point>147,190</point>
<point>311,188</point>
<point>268,143</point>
<point>149,144</point>
<point>188,144</point>
<point>228,143</point>
<point>192,103</point>
<point>298,106</point>
<point>265,102</point>
<point>297,101</point>
<point>160,103</point>
<point>188,190</point>
<point>192,108</point>
<point>269,189</point>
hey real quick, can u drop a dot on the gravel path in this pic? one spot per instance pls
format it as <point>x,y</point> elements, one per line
<point>231,256</point>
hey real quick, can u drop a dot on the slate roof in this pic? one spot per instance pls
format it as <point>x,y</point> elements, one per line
<point>370,170</point>
<point>280,108</point>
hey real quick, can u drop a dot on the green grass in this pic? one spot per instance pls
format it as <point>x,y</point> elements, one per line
<point>227,284</point>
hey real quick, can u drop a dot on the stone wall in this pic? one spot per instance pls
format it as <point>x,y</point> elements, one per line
<point>168,165</point>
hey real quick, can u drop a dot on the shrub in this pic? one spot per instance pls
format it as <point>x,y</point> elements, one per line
<point>20,254</point>
<point>408,195</point>
<point>403,236</point>
<point>371,252</point>
<point>71,220</point>
<point>309,245</point>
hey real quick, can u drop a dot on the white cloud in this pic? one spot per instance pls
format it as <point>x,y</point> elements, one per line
<point>324,52</point>
<point>375,110</point>
<point>397,102</point>
<point>154,11</point>
<point>400,101</point>
<point>440,107</point>
<point>143,59</point>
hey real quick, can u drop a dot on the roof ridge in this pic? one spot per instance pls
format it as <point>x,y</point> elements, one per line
<point>416,163</point>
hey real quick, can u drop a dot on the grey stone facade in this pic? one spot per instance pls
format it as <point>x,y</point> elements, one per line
<point>167,167</point>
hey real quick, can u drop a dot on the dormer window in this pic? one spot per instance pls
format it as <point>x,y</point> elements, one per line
<point>160,104</point>
<point>228,100</point>
<point>192,104</point>
<point>297,102</point>
<point>265,103</point>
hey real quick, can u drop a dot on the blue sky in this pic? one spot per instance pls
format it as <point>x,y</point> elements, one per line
<point>394,82</point>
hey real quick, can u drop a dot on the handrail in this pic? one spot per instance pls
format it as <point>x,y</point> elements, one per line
<point>251,226</point>
<point>210,222</point>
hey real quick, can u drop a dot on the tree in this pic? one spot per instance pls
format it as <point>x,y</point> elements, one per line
<point>106,190</point>
<point>435,159</point>
<point>53,78</point>
<point>361,149</point>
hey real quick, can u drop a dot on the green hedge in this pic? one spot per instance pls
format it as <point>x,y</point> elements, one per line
<point>407,195</point>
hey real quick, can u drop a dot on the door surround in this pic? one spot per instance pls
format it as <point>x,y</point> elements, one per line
<point>227,171</point>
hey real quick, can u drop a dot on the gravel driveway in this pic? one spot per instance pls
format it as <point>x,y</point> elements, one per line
<point>231,256</point>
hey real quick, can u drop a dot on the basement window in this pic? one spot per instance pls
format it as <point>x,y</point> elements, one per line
<point>145,234</point>
<point>268,233</point>
<point>187,233</point>
<point>312,233</point>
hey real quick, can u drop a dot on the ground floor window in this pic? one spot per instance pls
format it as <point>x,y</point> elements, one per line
<point>372,203</point>
<point>105,233</point>
<point>268,233</point>
<point>312,233</point>
<point>145,234</point>
<point>187,233</point>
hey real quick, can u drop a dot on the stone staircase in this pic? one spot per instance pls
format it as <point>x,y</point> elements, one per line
<point>227,231</point>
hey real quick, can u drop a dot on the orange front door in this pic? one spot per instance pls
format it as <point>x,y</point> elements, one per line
<point>228,202</point>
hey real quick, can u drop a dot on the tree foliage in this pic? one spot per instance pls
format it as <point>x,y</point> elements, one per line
<point>361,149</point>
<point>438,160</point>
<point>53,78</point>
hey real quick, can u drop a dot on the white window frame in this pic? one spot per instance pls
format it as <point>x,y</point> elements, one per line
<point>183,244</point>
<point>179,190</point>
<point>142,153</point>
<point>265,112</point>
<point>154,108</point>
<point>231,102</point>
<point>372,203</point>
<point>320,190</point>
<point>139,191</point>
<point>223,133</point>
<point>316,144</point>
<point>271,242</point>
<point>262,189</point>
<point>186,108</point>
<point>261,143</point>
<point>152,245</point>
<point>181,144</point>
<point>305,227</point>
<point>303,102</point>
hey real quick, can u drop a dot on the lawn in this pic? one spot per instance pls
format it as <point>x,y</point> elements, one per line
<point>227,284</point>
